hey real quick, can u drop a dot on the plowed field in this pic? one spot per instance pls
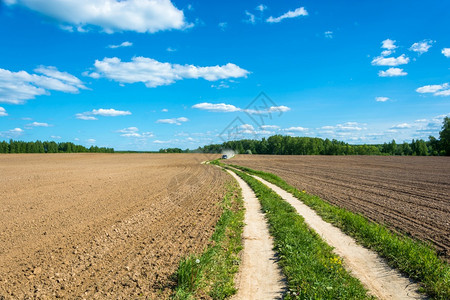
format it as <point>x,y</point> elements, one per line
<point>409,194</point>
<point>102,225</point>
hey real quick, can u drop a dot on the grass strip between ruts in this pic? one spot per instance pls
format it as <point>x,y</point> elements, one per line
<point>211,274</point>
<point>415,258</point>
<point>311,268</point>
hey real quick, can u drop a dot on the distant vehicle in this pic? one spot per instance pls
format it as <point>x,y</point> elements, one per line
<point>224,156</point>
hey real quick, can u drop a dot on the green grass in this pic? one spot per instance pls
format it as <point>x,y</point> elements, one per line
<point>211,274</point>
<point>312,270</point>
<point>415,258</point>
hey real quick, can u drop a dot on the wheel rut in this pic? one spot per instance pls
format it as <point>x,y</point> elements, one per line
<point>381,280</point>
<point>259,276</point>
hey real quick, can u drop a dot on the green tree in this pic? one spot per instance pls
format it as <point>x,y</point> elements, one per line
<point>444,136</point>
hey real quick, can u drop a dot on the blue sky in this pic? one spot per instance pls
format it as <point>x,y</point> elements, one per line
<point>145,75</point>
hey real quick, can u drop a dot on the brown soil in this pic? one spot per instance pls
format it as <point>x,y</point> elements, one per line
<point>409,194</point>
<point>102,225</point>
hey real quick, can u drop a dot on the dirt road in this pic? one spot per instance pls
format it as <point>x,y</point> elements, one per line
<point>259,276</point>
<point>410,194</point>
<point>96,225</point>
<point>375,274</point>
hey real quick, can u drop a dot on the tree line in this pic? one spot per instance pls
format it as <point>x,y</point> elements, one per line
<point>288,145</point>
<point>48,147</point>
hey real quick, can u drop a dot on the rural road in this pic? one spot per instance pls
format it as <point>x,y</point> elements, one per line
<point>380,279</point>
<point>259,276</point>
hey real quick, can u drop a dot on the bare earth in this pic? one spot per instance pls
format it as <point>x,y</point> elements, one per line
<point>409,194</point>
<point>259,276</point>
<point>381,280</point>
<point>96,225</point>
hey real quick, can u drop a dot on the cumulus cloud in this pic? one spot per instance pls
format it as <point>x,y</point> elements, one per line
<point>124,44</point>
<point>390,61</point>
<point>301,129</point>
<point>381,99</point>
<point>110,15</point>
<point>154,73</point>
<point>18,87</point>
<point>446,52</point>
<point>270,127</point>
<point>176,121</point>
<point>388,44</point>
<point>12,133</point>
<point>133,132</point>
<point>3,112</point>
<point>421,47</point>
<point>392,72</point>
<point>301,11</point>
<point>348,126</point>
<point>222,107</point>
<point>251,18</point>
<point>402,126</point>
<point>328,34</point>
<point>261,7</point>
<point>435,89</point>
<point>223,25</point>
<point>219,107</point>
<point>110,112</point>
<point>91,141</point>
<point>38,124</point>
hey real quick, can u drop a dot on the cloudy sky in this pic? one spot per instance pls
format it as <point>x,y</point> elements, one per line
<point>151,74</point>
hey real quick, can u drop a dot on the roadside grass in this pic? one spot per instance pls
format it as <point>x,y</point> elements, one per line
<point>415,258</point>
<point>312,270</point>
<point>211,274</point>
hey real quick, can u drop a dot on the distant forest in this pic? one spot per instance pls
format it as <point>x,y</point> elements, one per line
<point>48,147</point>
<point>288,145</point>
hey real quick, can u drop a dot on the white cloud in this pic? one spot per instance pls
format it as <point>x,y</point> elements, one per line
<point>124,44</point>
<point>328,34</point>
<point>170,49</point>
<point>219,107</point>
<point>154,73</point>
<point>12,133</point>
<point>446,52</point>
<point>91,141</point>
<point>110,112</point>
<point>222,107</point>
<point>133,132</point>
<point>55,137</point>
<point>388,44</point>
<point>37,124</point>
<point>164,110</point>
<point>280,108</point>
<point>261,7</point>
<point>110,15</point>
<point>402,126</point>
<point>421,47</point>
<point>435,89</point>
<point>301,11</point>
<point>390,61</point>
<point>17,87</point>
<point>223,25</point>
<point>348,126</point>
<point>392,72</point>
<point>296,129</point>
<point>251,17</point>
<point>381,99</point>
<point>443,93</point>
<point>386,52</point>
<point>176,121</point>
<point>272,127</point>
<point>3,112</point>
